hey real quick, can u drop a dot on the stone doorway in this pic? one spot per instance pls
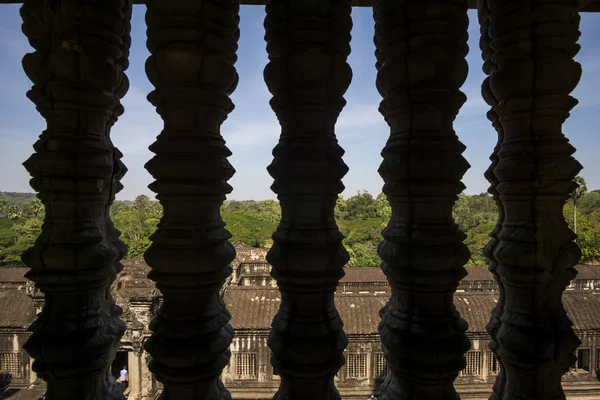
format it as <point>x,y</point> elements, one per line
<point>121,360</point>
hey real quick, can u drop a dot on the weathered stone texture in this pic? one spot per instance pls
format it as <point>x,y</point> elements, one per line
<point>421,49</point>
<point>81,50</point>
<point>528,49</point>
<point>192,46</point>
<point>308,44</point>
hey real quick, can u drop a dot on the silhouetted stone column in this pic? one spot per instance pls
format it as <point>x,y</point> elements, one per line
<point>528,49</point>
<point>81,49</point>
<point>308,43</point>
<point>421,49</point>
<point>193,45</point>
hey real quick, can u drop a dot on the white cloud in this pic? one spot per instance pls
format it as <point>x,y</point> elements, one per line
<point>139,125</point>
<point>359,116</point>
<point>242,134</point>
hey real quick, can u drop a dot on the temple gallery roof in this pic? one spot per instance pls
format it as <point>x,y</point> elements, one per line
<point>13,275</point>
<point>253,308</point>
<point>359,275</point>
<point>17,309</point>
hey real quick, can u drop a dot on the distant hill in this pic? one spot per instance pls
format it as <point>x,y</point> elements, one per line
<point>17,197</point>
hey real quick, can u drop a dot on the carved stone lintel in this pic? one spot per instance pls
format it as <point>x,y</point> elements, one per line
<point>421,49</point>
<point>81,50</point>
<point>192,46</point>
<point>528,50</point>
<point>308,43</point>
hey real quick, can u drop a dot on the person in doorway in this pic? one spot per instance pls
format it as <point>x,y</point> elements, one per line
<point>123,375</point>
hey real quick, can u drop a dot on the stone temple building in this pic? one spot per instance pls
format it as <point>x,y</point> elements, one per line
<point>253,298</point>
<point>359,297</point>
<point>77,69</point>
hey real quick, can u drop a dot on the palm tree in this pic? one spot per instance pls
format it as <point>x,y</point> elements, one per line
<point>35,207</point>
<point>14,213</point>
<point>576,194</point>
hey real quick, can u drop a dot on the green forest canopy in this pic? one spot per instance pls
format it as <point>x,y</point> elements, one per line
<point>361,218</point>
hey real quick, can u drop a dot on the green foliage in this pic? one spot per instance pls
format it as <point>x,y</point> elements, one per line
<point>477,238</point>
<point>361,238</point>
<point>16,198</point>
<point>362,206</point>
<point>11,256</point>
<point>361,219</point>
<point>589,202</point>
<point>34,208</point>
<point>476,215</point>
<point>580,189</point>
<point>471,211</point>
<point>8,236</point>
<point>14,212</point>
<point>589,236</point>
<point>266,210</point>
<point>18,238</point>
<point>588,229</point>
<point>248,229</point>
<point>136,221</point>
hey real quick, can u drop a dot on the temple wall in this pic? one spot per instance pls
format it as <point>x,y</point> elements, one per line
<point>13,359</point>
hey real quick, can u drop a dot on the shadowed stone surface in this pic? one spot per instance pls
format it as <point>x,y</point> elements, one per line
<point>308,43</point>
<point>192,46</point>
<point>421,49</point>
<point>81,50</point>
<point>528,49</point>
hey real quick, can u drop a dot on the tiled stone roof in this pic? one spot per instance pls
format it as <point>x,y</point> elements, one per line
<point>253,308</point>
<point>586,271</point>
<point>478,274</point>
<point>475,309</point>
<point>360,313</point>
<point>365,274</point>
<point>249,254</point>
<point>16,309</point>
<point>583,309</point>
<point>13,275</point>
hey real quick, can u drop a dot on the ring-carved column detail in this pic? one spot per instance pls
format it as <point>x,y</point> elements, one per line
<point>308,43</point>
<point>528,49</point>
<point>81,49</point>
<point>193,48</point>
<point>421,48</point>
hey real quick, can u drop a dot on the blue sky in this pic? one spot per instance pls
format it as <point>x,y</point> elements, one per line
<point>252,129</point>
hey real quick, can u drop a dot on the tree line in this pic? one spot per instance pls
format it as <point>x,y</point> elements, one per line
<point>361,218</point>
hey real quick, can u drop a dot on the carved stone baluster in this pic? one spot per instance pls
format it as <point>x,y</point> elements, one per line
<point>308,43</point>
<point>193,45</point>
<point>488,67</point>
<point>81,50</point>
<point>528,49</point>
<point>421,49</point>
